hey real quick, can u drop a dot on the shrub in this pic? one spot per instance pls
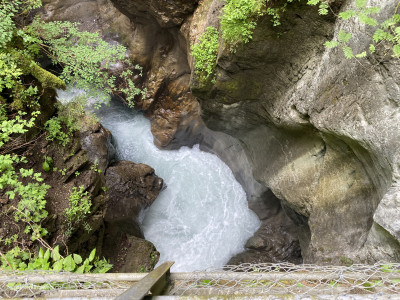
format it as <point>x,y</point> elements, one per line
<point>239,20</point>
<point>205,55</point>
<point>79,207</point>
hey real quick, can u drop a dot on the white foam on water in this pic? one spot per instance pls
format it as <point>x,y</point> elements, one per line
<point>201,219</point>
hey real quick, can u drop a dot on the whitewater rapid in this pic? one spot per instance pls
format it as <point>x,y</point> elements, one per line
<point>201,219</point>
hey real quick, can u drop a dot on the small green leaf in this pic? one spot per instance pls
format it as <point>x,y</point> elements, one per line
<point>343,36</point>
<point>361,55</point>
<point>396,50</point>
<point>361,3</point>
<point>46,255</point>
<point>46,166</point>
<point>92,255</point>
<point>367,20</point>
<point>80,270</point>
<point>55,254</point>
<point>331,44</point>
<point>348,52</point>
<point>40,253</point>
<point>348,14</point>
<point>58,265</point>
<point>371,48</point>
<point>69,264</point>
<point>77,259</point>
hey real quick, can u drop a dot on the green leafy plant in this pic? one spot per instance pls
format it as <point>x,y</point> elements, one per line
<point>55,131</point>
<point>30,207</point>
<point>239,20</point>
<point>205,54</point>
<point>95,167</point>
<point>386,33</point>
<point>22,82</point>
<point>79,207</point>
<point>48,161</point>
<point>86,59</point>
<point>51,259</point>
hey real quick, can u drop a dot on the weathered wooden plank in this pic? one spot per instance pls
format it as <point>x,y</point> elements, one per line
<point>155,282</point>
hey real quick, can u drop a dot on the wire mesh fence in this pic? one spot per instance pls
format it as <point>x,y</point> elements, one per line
<point>46,284</point>
<point>289,279</point>
<point>246,279</point>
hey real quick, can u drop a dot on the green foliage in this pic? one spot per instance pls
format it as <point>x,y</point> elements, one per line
<point>86,59</point>
<point>23,188</point>
<point>79,207</point>
<point>55,131</point>
<point>322,6</point>
<point>71,117</point>
<point>239,20</point>
<point>205,54</point>
<point>50,259</point>
<point>31,195</point>
<point>22,184</point>
<point>18,48</point>
<point>48,161</point>
<point>388,32</point>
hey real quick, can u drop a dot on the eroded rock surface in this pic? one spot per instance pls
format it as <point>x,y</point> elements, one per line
<point>132,187</point>
<point>319,130</point>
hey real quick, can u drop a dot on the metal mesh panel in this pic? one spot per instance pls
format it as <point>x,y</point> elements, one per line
<point>46,284</point>
<point>283,278</point>
<point>244,280</point>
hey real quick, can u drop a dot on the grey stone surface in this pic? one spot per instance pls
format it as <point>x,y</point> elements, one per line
<point>319,130</point>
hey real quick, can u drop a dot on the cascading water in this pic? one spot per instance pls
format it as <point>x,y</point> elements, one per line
<point>201,219</point>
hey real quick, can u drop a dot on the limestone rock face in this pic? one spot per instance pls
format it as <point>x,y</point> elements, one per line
<point>319,130</point>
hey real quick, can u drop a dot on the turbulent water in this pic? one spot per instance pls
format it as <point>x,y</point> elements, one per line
<point>201,219</point>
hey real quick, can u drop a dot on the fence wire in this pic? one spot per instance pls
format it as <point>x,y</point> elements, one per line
<point>247,280</point>
<point>289,279</point>
<point>47,284</point>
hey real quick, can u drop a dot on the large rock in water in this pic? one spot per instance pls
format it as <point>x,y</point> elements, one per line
<point>132,187</point>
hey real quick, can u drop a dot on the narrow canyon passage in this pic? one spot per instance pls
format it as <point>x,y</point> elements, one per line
<point>201,219</point>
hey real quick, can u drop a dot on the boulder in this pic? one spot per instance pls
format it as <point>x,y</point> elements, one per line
<point>132,187</point>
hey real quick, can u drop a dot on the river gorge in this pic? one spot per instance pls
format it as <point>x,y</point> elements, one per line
<point>311,139</point>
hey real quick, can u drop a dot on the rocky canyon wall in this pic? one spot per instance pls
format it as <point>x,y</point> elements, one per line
<point>312,137</point>
<point>321,131</point>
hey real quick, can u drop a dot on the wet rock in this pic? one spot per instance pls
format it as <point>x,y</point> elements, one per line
<point>166,13</point>
<point>97,143</point>
<point>150,30</point>
<point>320,131</point>
<point>135,256</point>
<point>277,238</point>
<point>132,187</point>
